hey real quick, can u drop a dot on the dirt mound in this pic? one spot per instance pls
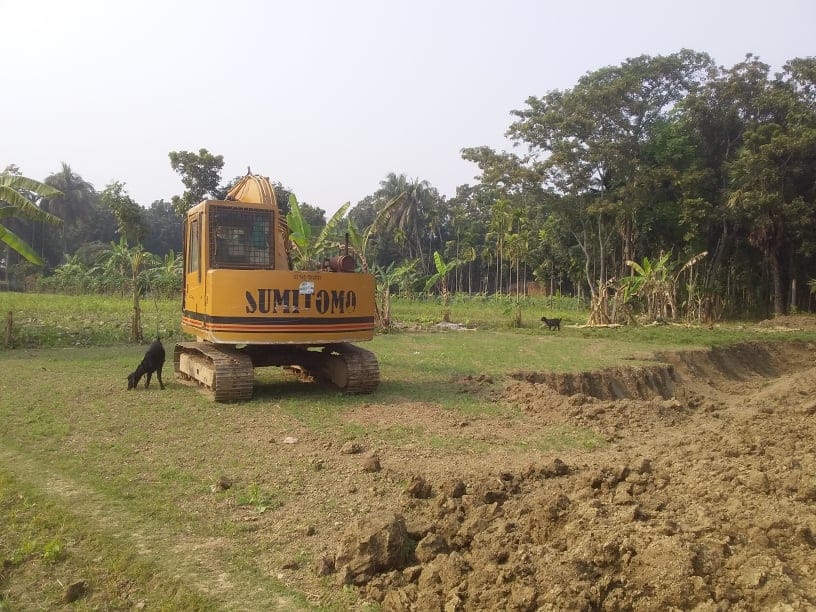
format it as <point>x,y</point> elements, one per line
<point>703,498</point>
<point>370,546</point>
<point>742,361</point>
<point>610,383</point>
<point>737,362</point>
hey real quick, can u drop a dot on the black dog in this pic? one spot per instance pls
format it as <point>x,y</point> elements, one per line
<point>552,323</point>
<point>153,362</point>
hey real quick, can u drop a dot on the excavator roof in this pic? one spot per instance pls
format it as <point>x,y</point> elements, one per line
<point>254,189</point>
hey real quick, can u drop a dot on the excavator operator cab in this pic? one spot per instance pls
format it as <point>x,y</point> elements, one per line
<point>241,239</point>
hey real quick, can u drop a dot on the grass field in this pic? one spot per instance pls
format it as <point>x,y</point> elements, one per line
<point>44,320</point>
<point>113,488</point>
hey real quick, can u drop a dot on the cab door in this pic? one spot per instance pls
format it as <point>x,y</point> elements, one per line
<point>193,265</point>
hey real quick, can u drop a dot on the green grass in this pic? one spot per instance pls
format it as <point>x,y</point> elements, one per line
<point>43,549</point>
<point>47,320</point>
<point>493,312</point>
<point>560,438</point>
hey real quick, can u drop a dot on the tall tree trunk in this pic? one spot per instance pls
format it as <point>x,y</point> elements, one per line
<point>500,268</point>
<point>627,245</point>
<point>518,279</point>
<point>717,258</point>
<point>603,242</point>
<point>778,284</point>
<point>583,242</point>
<point>9,335</point>
<point>386,320</point>
<point>552,280</point>
<point>136,328</point>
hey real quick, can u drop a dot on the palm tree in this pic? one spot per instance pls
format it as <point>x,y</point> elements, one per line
<point>18,198</point>
<point>74,206</point>
<point>75,198</point>
<point>406,210</point>
<point>500,222</point>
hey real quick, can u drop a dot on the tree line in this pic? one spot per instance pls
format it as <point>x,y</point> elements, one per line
<point>697,181</point>
<point>665,184</point>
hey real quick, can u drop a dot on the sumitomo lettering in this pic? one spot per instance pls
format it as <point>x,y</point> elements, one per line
<point>291,301</point>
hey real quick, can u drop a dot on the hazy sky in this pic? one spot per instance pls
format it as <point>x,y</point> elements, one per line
<point>326,97</point>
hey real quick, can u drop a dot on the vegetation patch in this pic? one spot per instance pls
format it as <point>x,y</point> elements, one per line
<point>44,549</point>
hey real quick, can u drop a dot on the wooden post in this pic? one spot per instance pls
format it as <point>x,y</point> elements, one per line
<point>9,337</point>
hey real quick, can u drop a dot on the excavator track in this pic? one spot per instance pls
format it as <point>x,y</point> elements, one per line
<point>221,372</point>
<point>350,368</point>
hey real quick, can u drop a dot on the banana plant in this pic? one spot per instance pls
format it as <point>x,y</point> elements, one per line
<point>16,194</point>
<point>309,251</point>
<point>165,276</point>
<point>386,278</point>
<point>360,241</point>
<point>127,265</point>
<point>656,283</point>
<point>440,280</point>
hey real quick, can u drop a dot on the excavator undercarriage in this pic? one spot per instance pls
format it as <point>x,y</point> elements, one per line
<point>226,373</point>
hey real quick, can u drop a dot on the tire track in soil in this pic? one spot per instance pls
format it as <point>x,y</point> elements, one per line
<point>198,562</point>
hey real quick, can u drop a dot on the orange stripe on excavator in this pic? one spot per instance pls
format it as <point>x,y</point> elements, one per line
<point>329,327</point>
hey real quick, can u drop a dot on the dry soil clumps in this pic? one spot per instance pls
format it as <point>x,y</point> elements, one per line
<point>701,497</point>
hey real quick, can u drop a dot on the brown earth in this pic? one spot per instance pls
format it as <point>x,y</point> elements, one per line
<point>702,494</point>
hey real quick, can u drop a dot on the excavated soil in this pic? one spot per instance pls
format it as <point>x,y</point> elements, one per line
<point>697,490</point>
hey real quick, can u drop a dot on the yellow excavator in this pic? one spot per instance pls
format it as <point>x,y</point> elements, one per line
<point>248,308</point>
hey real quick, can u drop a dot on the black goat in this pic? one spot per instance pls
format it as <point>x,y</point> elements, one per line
<point>153,362</point>
<point>552,323</point>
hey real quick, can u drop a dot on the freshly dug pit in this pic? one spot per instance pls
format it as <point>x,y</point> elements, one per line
<point>703,497</point>
<point>645,382</point>
<point>738,362</point>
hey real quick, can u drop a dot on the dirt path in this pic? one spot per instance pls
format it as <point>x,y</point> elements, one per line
<point>203,564</point>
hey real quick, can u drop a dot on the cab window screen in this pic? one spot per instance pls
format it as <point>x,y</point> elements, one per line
<point>241,238</point>
<point>194,247</point>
